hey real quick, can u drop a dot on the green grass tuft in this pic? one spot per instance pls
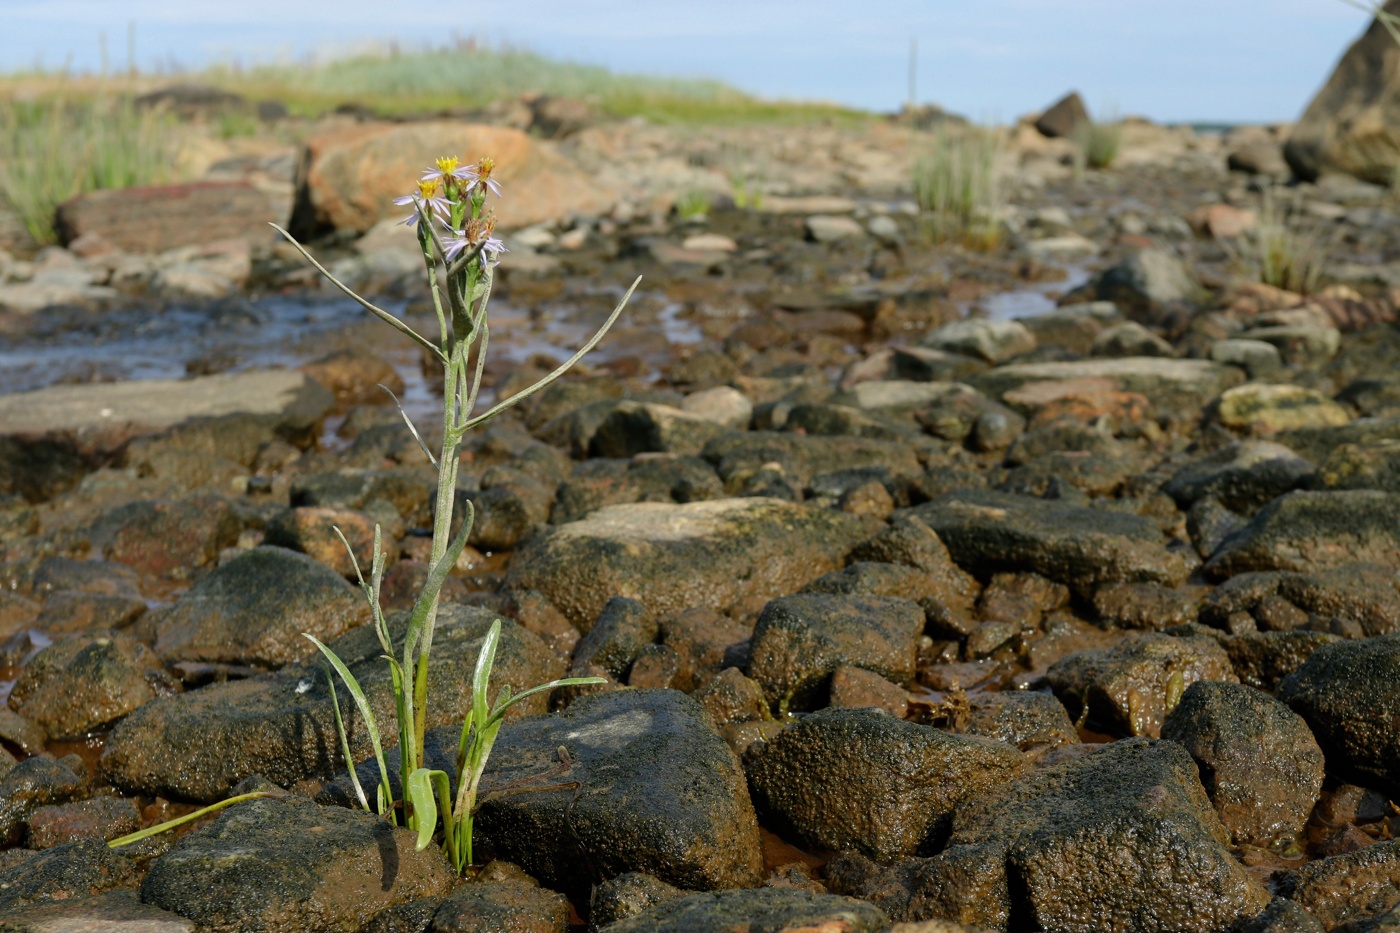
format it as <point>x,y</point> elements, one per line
<point>956,184</point>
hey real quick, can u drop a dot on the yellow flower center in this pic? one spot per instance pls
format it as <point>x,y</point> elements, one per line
<point>485,167</point>
<point>447,165</point>
<point>426,189</point>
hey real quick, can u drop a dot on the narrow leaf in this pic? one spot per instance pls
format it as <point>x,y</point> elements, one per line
<point>481,677</point>
<point>345,742</point>
<point>411,429</point>
<point>425,811</point>
<point>501,708</point>
<point>367,714</point>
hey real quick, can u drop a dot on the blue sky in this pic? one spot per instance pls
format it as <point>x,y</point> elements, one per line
<point>1227,60</point>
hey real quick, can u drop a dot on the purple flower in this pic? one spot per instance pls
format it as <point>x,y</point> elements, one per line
<point>425,198</point>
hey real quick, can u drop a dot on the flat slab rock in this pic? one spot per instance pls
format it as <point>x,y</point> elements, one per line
<point>1082,547</point>
<point>764,910</point>
<point>1187,385</point>
<point>288,865</point>
<point>673,557</point>
<point>1308,531</point>
<point>198,745</point>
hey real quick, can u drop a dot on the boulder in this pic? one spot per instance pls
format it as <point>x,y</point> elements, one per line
<point>287,864</point>
<point>1354,891</point>
<point>1147,285</point>
<point>159,218</point>
<point>860,778</point>
<point>76,870</point>
<point>1357,600</point>
<point>672,557</point>
<point>80,685</point>
<point>1244,476</point>
<point>1350,125</point>
<point>1310,531</point>
<point>1064,118</point>
<point>349,176</point>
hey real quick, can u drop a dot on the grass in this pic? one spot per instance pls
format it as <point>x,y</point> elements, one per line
<point>1283,251</point>
<point>1099,142</point>
<point>53,149</point>
<point>956,185</point>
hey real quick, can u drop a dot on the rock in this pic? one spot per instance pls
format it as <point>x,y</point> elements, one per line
<point>255,608</point>
<point>1269,409</point>
<point>626,896</point>
<point>1263,659</point>
<point>1130,339</point>
<point>1359,600</point>
<point>48,291</point>
<point>287,864</point>
<point>312,531</point>
<point>1240,737</point>
<point>706,643</point>
<point>1147,284</point>
<point>350,175</point>
<point>165,217</point>
<point>1308,531</point>
<point>160,538</point>
<point>861,778</point>
<point>1073,326</point>
<point>99,818</point>
<point>832,228</point>
<point>723,405</point>
<point>557,117</point>
<point>76,870</point>
<point>1146,606</point>
<point>810,204</point>
<point>856,688</point>
<point>622,630</point>
<point>800,640</point>
<point>1345,891</point>
<point>1244,476</point>
<point>740,455</point>
<point>1184,385</point>
<point>673,557</point>
<point>506,906</point>
<point>115,910</point>
<point>1347,125</point>
<point>657,791</point>
<point>730,697</point>
<point>1221,221</point>
<point>1132,686</point>
<point>1261,360</point>
<point>710,243</point>
<point>51,437</point>
<point>29,785</point>
<point>197,746</point>
<point>79,685</point>
<point>1349,693</point>
<point>765,910</point>
<point>1028,721</point>
<point>911,543</point>
<point>946,601</point>
<point>1358,466</point>
<point>1259,158</point>
<point>633,428</point>
<point>1035,849</point>
<point>1080,547</point>
<point>993,341</point>
<point>355,375</point>
<point>1065,118</point>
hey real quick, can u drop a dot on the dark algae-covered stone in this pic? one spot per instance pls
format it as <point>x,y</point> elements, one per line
<point>288,865</point>
<point>29,785</point>
<point>78,869</point>
<point>1349,693</point>
<point>843,778</point>
<point>1308,531</point>
<point>78,685</point>
<point>1348,889</point>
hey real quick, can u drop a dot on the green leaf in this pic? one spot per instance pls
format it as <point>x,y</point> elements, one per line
<point>425,811</point>
<point>481,677</point>
<point>510,701</point>
<point>345,743</point>
<point>362,703</point>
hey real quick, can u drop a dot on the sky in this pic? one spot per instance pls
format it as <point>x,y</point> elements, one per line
<point>1171,60</point>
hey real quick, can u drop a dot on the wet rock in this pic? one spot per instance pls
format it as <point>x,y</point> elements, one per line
<point>800,640</point>
<point>1282,916</point>
<point>731,697</point>
<point>674,557</point>
<point>287,864</point>
<point>800,457</point>
<point>158,538</point>
<point>81,684</point>
<point>1073,326</point>
<point>1146,606</point>
<point>993,341</point>
<point>1147,284</point>
<point>626,896</point>
<point>407,489</point>
<point>312,531</point>
<point>1307,531</point>
<point>657,791</point>
<point>254,609</point>
<point>505,906</point>
<point>1300,345</point>
<point>509,503</point>
<point>75,870</point>
<point>355,376</point>
<point>1244,476</point>
<point>1259,763</point>
<point>349,173</point>
<point>634,428</point>
<point>764,910</point>
<point>1080,547</point>
<point>29,785</point>
<point>1263,659</point>
<point>1268,409</point>
<point>199,745</point>
<point>660,478</point>
<point>1259,359</point>
<point>1031,852</point>
<point>946,607</point>
<point>622,629</point>
<point>99,818</point>
<point>832,228</point>
<point>910,542</point>
<point>154,219</point>
<point>50,438</point>
<point>1130,339</point>
<point>1132,686</point>
<point>706,643</point>
<point>1349,693</point>
<point>1357,600</point>
<point>115,910</point>
<point>1028,721</point>
<point>1358,466</point>
<point>861,778</point>
<point>27,736</point>
<point>1348,889</point>
<point>856,688</point>
<point>1186,386</point>
<point>655,668</point>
